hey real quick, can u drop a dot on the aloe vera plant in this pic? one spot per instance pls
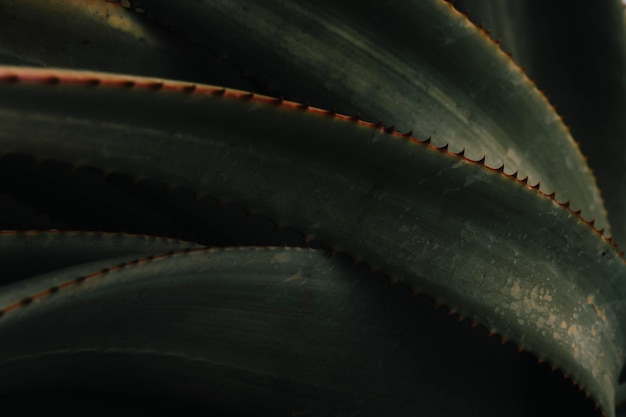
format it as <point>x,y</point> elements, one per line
<point>342,208</point>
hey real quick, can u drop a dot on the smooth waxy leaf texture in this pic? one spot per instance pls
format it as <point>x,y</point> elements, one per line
<point>543,278</point>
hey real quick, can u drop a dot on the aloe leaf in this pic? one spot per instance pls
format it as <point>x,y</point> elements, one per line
<point>57,249</point>
<point>543,279</point>
<point>582,71</point>
<point>281,331</point>
<point>104,36</point>
<point>418,65</point>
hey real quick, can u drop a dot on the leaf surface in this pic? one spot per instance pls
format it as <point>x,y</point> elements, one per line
<point>543,278</point>
<point>582,71</point>
<point>281,331</point>
<point>418,65</point>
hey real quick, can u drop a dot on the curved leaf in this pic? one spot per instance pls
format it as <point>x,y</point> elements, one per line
<point>544,279</point>
<point>582,71</point>
<point>256,331</point>
<point>418,65</point>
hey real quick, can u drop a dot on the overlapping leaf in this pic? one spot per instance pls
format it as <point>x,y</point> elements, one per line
<point>239,330</point>
<point>414,212</point>
<point>482,241</point>
<point>417,65</point>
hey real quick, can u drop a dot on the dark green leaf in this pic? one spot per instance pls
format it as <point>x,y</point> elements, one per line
<point>492,248</point>
<point>257,331</point>
<point>418,65</point>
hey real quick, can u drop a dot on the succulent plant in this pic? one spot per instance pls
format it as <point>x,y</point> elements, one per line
<point>312,209</point>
